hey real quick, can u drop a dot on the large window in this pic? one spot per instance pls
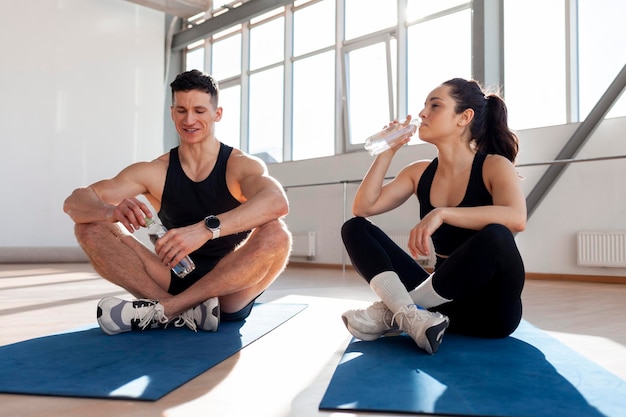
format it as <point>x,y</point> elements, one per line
<point>368,16</point>
<point>420,9</point>
<point>557,72</point>
<point>313,107</point>
<point>267,44</point>
<point>602,53</point>
<point>439,48</point>
<point>228,130</point>
<point>535,65</point>
<point>369,89</point>
<point>194,59</point>
<point>226,67</point>
<point>266,115</point>
<point>317,77</point>
<point>307,36</point>
<point>226,55</point>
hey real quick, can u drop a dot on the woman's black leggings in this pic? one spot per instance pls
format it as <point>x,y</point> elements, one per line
<point>484,277</point>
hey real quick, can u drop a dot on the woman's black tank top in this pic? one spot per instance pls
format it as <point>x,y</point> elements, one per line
<point>447,238</point>
<point>186,202</point>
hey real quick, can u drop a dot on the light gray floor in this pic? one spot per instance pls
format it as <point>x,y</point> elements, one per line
<point>286,372</point>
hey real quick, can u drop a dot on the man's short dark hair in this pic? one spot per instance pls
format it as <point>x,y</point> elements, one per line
<point>196,80</point>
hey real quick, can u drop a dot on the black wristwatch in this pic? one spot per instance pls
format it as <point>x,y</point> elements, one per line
<point>213,224</point>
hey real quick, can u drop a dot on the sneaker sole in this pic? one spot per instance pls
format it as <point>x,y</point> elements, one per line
<point>108,327</point>
<point>434,335</point>
<point>368,337</point>
<point>393,332</point>
<point>212,312</point>
<point>363,336</point>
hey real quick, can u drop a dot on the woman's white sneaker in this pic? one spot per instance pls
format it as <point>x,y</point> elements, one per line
<point>426,328</point>
<point>370,323</point>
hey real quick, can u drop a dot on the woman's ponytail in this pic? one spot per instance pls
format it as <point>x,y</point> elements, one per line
<point>489,127</point>
<point>498,138</point>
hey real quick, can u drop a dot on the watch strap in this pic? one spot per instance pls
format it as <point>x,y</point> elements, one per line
<point>215,231</point>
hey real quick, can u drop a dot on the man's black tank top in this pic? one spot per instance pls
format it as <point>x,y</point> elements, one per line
<point>448,238</point>
<point>186,202</point>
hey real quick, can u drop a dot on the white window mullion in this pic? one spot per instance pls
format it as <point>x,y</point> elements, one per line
<point>288,87</point>
<point>245,88</point>
<point>571,66</point>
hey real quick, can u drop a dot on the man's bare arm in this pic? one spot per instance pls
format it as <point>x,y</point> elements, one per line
<point>263,198</point>
<point>112,200</point>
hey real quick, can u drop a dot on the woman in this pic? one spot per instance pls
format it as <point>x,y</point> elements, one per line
<point>471,204</point>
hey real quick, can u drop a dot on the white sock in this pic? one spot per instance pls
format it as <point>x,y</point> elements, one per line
<point>426,296</point>
<point>391,290</point>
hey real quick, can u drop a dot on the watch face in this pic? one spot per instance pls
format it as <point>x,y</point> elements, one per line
<point>212,222</point>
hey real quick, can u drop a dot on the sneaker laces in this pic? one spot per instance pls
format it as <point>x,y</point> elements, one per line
<point>410,313</point>
<point>148,314</point>
<point>379,305</point>
<point>186,319</point>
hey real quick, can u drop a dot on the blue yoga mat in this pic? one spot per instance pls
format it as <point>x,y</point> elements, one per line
<point>529,374</point>
<point>135,365</point>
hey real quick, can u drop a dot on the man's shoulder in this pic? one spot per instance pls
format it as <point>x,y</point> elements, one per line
<point>154,168</point>
<point>243,158</point>
<point>243,165</point>
<point>163,160</point>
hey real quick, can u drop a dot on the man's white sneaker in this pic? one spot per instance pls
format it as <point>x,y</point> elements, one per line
<point>426,328</point>
<point>370,323</point>
<point>205,316</point>
<point>116,315</point>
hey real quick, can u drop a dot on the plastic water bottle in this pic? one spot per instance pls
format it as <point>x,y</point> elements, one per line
<point>157,230</point>
<point>389,136</point>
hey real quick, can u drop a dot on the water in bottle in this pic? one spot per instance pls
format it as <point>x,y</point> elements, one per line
<point>157,230</point>
<point>389,136</point>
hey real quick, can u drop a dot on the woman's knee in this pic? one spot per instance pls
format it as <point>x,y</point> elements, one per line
<point>497,234</point>
<point>497,229</point>
<point>352,227</point>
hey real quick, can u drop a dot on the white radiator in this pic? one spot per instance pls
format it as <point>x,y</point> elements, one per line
<point>602,248</point>
<point>402,240</point>
<point>303,245</point>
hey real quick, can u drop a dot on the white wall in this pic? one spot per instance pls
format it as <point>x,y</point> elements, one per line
<point>82,96</point>
<point>589,195</point>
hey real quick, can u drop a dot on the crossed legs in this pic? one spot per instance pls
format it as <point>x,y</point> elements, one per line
<point>236,280</point>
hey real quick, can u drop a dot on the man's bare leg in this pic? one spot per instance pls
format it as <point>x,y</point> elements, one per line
<point>120,258</point>
<point>237,279</point>
<point>241,275</point>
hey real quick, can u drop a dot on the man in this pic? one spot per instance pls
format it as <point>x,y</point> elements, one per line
<point>220,207</point>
